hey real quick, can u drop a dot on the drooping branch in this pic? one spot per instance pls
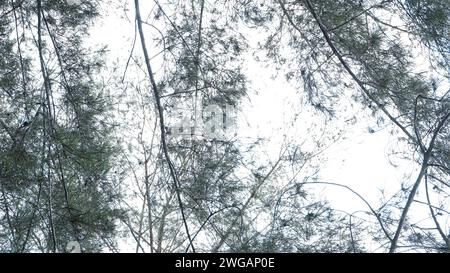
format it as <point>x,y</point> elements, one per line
<point>372,210</point>
<point>349,70</point>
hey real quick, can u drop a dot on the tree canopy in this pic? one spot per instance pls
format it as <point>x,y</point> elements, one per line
<point>143,149</point>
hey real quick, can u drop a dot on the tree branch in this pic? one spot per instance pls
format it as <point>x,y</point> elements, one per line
<point>159,107</point>
<point>422,172</point>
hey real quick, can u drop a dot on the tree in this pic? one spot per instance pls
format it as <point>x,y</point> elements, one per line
<point>57,151</point>
<point>143,150</point>
<point>334,38</point>
<point>219,187</point>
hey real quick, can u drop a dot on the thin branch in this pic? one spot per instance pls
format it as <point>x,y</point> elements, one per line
<point>11,10</point>
<point>422,172</point>
<point>434,207</point>
<point>350,71</point>
<point>131,54</point>
<point>49,111</point>
<point>364,11</point>
<point>433,215</point>
<point>159,107</point>
<point>246,204</point>
<point>372,210</point>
